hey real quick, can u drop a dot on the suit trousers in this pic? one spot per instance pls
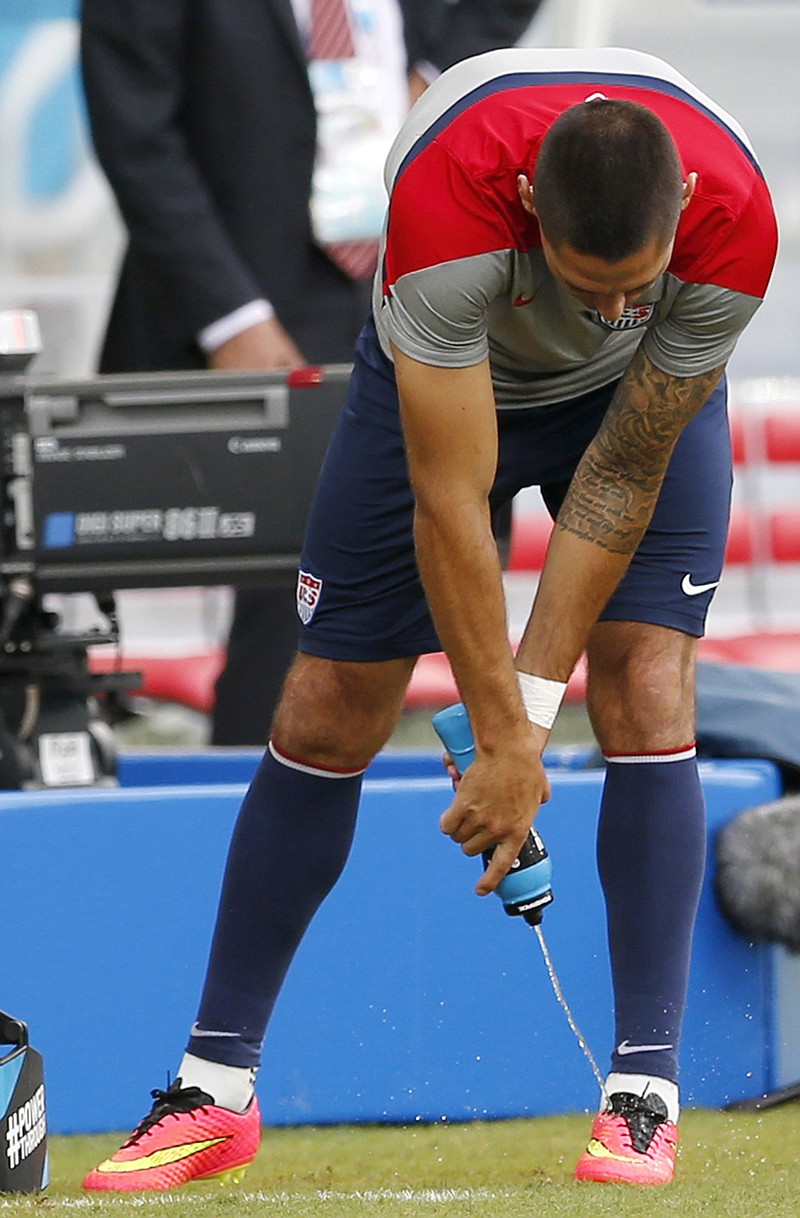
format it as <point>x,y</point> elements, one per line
<point>263,634</point>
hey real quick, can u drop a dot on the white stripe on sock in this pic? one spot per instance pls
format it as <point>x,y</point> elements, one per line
<point>291,764</point>
<point>646,758</point>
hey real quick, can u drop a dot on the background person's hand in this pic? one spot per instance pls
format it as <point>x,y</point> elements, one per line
<point>417,84</point>
<point>264,345</point>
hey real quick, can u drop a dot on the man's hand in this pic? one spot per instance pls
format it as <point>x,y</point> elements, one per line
<point>496,802</point>
<point>264,345</point>
<point>417,84</point>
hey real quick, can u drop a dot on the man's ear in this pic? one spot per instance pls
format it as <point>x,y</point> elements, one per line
<point>688,189</point>
<point>526,194</point>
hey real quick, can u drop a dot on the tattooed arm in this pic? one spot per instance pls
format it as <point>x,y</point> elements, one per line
<point>607,510</point>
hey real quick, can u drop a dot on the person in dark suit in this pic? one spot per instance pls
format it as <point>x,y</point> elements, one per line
<point>204,122</point>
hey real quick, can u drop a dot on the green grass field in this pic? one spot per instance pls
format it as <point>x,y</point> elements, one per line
<point>743,1165</point>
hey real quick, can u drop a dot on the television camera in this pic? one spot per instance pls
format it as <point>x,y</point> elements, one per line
<point>133,481</point>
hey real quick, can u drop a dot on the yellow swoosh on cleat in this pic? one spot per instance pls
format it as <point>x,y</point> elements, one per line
<point>160,1158</point>
<point>599,1151</point>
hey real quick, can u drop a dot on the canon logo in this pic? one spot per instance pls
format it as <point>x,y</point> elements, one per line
<point>254,444</point>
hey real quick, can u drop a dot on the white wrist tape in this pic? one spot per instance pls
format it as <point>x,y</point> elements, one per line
<point>541,698</point>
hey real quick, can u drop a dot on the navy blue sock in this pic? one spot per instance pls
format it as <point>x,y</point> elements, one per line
<point>289,847</point>
<point>651,853</point>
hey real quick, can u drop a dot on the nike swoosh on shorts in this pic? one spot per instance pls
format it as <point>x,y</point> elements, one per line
<point>690,589</point>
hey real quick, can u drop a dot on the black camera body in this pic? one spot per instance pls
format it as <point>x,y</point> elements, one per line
<point>133,481</point>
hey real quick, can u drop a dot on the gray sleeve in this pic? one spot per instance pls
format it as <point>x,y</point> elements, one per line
<point>439,315</point>
<point>700,331</point>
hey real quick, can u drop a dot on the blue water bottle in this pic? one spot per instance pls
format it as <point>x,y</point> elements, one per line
<point>525,891</point>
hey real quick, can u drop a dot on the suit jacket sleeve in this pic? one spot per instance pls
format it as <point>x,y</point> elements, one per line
<point>445,33</point>
<point>132,54</point>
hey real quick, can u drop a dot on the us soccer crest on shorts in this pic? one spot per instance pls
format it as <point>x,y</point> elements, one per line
<point>309,589</point>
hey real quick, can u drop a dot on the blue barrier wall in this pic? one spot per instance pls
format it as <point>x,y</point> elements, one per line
<point>410,997</point>
<point>178,767</point>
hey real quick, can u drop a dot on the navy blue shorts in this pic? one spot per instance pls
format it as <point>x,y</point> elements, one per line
<point>359,592</point>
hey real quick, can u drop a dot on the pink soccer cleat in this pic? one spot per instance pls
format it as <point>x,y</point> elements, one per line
<point>632,1142</point>
<point>184,1137</point>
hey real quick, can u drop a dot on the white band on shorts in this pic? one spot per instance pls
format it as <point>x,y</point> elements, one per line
<point>541,698</point>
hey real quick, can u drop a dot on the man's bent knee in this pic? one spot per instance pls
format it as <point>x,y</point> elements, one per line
<point>338,714</point>
<point>641,687</point>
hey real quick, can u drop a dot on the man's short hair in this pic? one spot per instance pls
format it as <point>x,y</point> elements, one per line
<point>608,180</point>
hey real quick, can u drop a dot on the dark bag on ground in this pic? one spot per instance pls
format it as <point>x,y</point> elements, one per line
<point>23,1119</point>
<point>750,712</point>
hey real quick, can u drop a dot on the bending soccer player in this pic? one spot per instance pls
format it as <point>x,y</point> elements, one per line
<point>575,241</point>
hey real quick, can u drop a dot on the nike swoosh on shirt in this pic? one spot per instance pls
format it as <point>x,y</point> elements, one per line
<point>626,1047</point>
<point>521,301</point>
<point>690,589</point>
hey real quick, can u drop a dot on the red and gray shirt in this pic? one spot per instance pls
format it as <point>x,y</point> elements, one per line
<point>463,274</point>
